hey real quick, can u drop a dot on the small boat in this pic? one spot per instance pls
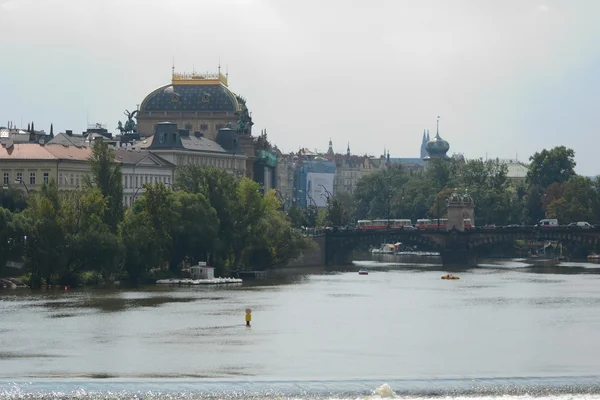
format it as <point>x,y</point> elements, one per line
<point>363,272</point>
<point>450,277</point>
<point>593,257</point>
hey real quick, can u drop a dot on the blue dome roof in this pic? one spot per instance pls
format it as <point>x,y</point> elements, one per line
<point>215,97</point>
<point>437,147</point>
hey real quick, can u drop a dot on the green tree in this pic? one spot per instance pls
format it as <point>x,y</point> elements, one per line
<point>7,241</point>
<point>44,237</point>
<point>276,243</point>
<point>221,190</point>
<point>549,166</point>
<point>12,199</point>
<point>573,202</point>
<point>376,192</point>
<point>335,213</point>
<point>106,175</point>
<point>297,217</point>
<point>195,230</point>
<point>249,210</point>
<point>147,231</point>
<point>92,245</point>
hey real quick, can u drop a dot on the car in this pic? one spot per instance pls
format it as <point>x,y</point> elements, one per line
<point>580,225</point>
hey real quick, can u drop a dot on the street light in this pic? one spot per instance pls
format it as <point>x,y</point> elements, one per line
<point>326,191</point>
<point>19,180</point>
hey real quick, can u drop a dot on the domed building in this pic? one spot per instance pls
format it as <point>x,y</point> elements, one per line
<point>436,148</point>
<point>206,117</point>
<point>200,103</point>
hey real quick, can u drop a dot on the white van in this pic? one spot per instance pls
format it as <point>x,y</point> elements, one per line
<point>548,223</point>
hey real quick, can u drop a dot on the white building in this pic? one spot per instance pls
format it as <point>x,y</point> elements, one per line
<point>140,167</point>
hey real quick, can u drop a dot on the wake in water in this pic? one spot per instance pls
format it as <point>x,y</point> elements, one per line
<point>209,390</point>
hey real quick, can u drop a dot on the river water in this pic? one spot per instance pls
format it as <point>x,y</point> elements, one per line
<point>503,329</point>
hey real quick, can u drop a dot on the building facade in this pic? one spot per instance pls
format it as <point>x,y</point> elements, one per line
<point>29,166</point>
<point>179,148</point>
<point>313,182</point>
<point>139,168</point>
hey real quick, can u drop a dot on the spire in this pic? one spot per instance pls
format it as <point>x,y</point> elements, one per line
<point>424,136</point>
<point>330,149</point>
<point>51,130</point>
<point>428,139</point>
<point>437,135</point>
<point>348,149</point>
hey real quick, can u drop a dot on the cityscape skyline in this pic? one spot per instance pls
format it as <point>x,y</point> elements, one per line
<point>508,79</point>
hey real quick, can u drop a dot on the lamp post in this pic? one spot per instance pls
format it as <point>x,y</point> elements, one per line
<point>326,191</point>
<point>20,180</point>
<point>438,213</point>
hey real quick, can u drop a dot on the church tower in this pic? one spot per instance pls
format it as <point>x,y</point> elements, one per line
<point>330,149</point>
<point>424,152</point>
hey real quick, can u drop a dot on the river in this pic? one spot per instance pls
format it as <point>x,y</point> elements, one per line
<point>503,329</point>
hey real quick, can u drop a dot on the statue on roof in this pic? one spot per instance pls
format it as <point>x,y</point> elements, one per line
<point>244,124</point>
<point>120,127</point>
<point>130,125</point>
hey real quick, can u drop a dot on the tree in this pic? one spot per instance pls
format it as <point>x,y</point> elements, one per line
<point>573,200</point>
<point>275,243</point>
<point>147,231</point>
<point>6,237</point>
<point>248,211</point>
<point>221,190</point>
<point>195,230</point>
<point>44,237</point>
<point>376,192</point>
<point>297,217</point>
<point>549,166</point>
<point>336,213</point>
<point>12,199</point>
<point>106,175</point>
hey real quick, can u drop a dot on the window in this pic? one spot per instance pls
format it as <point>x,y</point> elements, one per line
<point>60,179</point>
<point>137,182</point>
<point>32,178</point>
<point>174,138</point>
<point>6,178</point>
<point>203,127</point>
<point>77,180</point>
<point>19,177</point>
<point>72,181</point>
<point>46,178</point>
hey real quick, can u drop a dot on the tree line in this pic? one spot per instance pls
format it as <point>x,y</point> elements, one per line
<point>551,189</point>
<point>64,237</point>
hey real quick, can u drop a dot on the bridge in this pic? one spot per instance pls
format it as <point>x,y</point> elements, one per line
<point>455,247</point>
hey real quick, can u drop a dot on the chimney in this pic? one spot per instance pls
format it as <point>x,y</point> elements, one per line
<point>69,132</point>
<point>198,134</point>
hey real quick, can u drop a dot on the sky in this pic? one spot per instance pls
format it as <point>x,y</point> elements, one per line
<point>507,78</point>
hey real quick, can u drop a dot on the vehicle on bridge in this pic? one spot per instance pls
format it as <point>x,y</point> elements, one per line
<point>382,224</point>
<point>548,223</point>
<point>435,223</point>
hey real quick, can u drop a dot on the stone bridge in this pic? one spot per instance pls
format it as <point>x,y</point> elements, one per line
<point>455,247</point>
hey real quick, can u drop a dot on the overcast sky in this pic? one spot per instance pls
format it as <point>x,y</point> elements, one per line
<point>507,77</point>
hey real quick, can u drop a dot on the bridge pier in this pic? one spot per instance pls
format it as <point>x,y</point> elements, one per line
<point>462,258</point>
<point>340,257</point>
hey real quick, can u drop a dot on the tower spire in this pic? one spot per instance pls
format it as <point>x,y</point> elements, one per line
<point>173,67</point>
<point>438,127</point>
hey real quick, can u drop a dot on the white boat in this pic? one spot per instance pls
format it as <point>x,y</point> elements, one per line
<point>418,253</point>
<point>196,282</point>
